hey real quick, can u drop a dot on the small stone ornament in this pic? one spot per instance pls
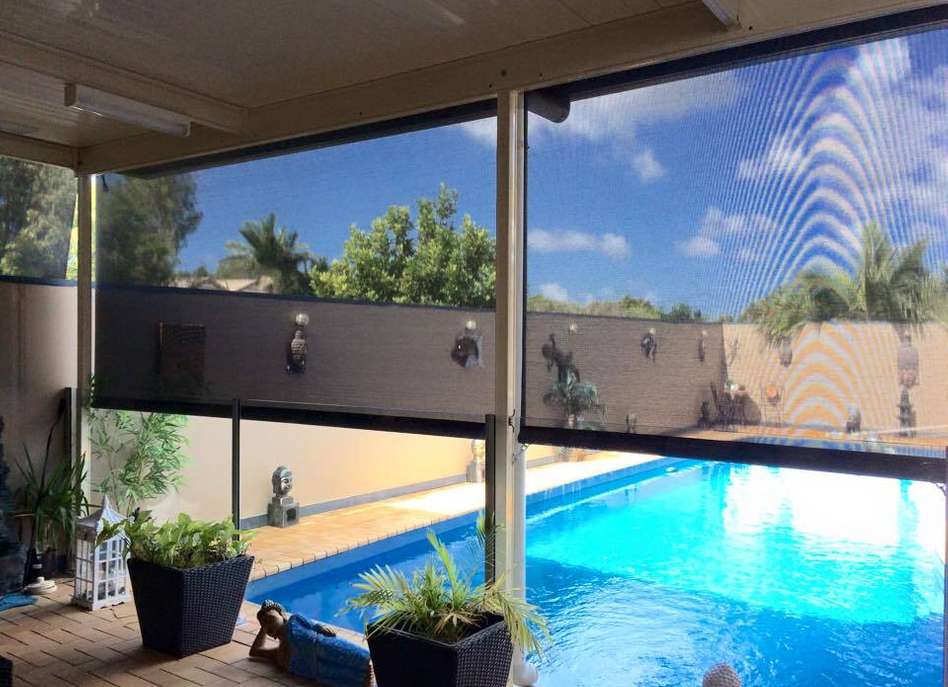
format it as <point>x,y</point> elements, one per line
<point>296,351</point>
<point>283,510</point>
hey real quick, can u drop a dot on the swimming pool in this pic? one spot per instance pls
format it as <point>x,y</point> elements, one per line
<point>793,577</point>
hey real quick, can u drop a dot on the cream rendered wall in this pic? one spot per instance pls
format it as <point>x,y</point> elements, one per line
<point>37,361</point>
<point>328,464</point>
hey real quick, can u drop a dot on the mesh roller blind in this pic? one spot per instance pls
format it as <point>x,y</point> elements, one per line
<point>759,253</point>
<point>383,248</point>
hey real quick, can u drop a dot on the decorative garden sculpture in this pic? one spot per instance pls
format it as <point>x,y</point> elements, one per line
<point>572,396</point>
<point>467,347</point>
<point>309,650</point>
<point>283,510</point>
<point>649,344</point>
<point>853,420</point>
<point>906,413</point>
<point>297,349</point>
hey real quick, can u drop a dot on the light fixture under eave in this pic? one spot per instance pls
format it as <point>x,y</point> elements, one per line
<point>726,11</point>
<point>122,109</point>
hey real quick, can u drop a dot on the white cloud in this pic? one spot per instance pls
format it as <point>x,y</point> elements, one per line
<point>617,116</point>
<point>782,156</point>
<point>647,166</point>
<point>553,291</point>
<point>611,245</point>
<point>699,247</point>
<point>888,61</point>
<point>482,130</point>
<point>718,227</point>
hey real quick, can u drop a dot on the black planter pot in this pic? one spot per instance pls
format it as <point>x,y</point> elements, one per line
<point>482,659</point>
<point>183,612</point>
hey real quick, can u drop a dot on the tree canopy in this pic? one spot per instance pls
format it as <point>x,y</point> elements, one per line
<point>627,306</point>
<point>889,285</point>
<point>268,250</point>
<point>424,260</point>
<point>37,203</point>
<point>142,226</point>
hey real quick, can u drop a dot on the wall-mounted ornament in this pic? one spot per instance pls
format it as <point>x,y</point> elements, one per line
<point>297,348</point>
<point>785,352</point>
<point>701,344</point>
<point>907,363</point>
<point>468,346</point>
<point>649,344</point>
<point>282,511</point>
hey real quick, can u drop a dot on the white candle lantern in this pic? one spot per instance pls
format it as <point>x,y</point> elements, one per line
<point>101,577</point>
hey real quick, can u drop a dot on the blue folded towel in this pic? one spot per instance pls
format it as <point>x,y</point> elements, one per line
<point>331,661</point>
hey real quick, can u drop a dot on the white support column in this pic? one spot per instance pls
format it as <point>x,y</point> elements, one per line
<point>84,321</point>
<point>509,465</point>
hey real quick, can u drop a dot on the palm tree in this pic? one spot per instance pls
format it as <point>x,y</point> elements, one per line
<point>269,250</point>
<point>889,285</point>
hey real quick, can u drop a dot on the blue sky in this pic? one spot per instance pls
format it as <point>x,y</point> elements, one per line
<point>711,190</point>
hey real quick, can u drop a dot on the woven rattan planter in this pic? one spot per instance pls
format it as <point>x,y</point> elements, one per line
<point>482,659</point>
<point>182,612</point>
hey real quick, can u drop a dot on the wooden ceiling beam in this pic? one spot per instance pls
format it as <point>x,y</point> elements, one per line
<point>34,150</point>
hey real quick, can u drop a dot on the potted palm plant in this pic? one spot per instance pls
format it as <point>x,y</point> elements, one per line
<point>437,628</point>
<point>188,580</point>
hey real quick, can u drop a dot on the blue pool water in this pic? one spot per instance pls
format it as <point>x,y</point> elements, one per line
<point>795,578</point>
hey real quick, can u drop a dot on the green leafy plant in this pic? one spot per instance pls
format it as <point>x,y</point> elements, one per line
<point>144,454</point>
<point>53,494</point>
<point>575,399</point>
<point>182,543</point>
<point>889,285</point>
<point>441,603</point>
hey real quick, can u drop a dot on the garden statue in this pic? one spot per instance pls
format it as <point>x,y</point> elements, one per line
<point>309,650</point>
<point>296,352</point>
<point>907,363</point>
<point>467,347</point>
<point>906,413</point>
<point>721,675</point>
<point>649,344</point>
<point>566,371</point>
<point>282,510</point>
<point>853,420</point>
<point>475,469</point>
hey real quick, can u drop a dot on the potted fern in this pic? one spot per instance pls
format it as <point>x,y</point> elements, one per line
<point>437,628</point>
<point>188,580</point>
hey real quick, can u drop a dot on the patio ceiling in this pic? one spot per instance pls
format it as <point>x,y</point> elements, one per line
<point>247,72</point>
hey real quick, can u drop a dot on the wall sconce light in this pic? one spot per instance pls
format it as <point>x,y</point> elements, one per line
<point>701,351</point>
<point>649,344</point>
<point>573,327</point>
<point>296,351</point>
<point>467,346</point>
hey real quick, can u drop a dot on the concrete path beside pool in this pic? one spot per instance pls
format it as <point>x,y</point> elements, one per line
<point>326,534</point>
